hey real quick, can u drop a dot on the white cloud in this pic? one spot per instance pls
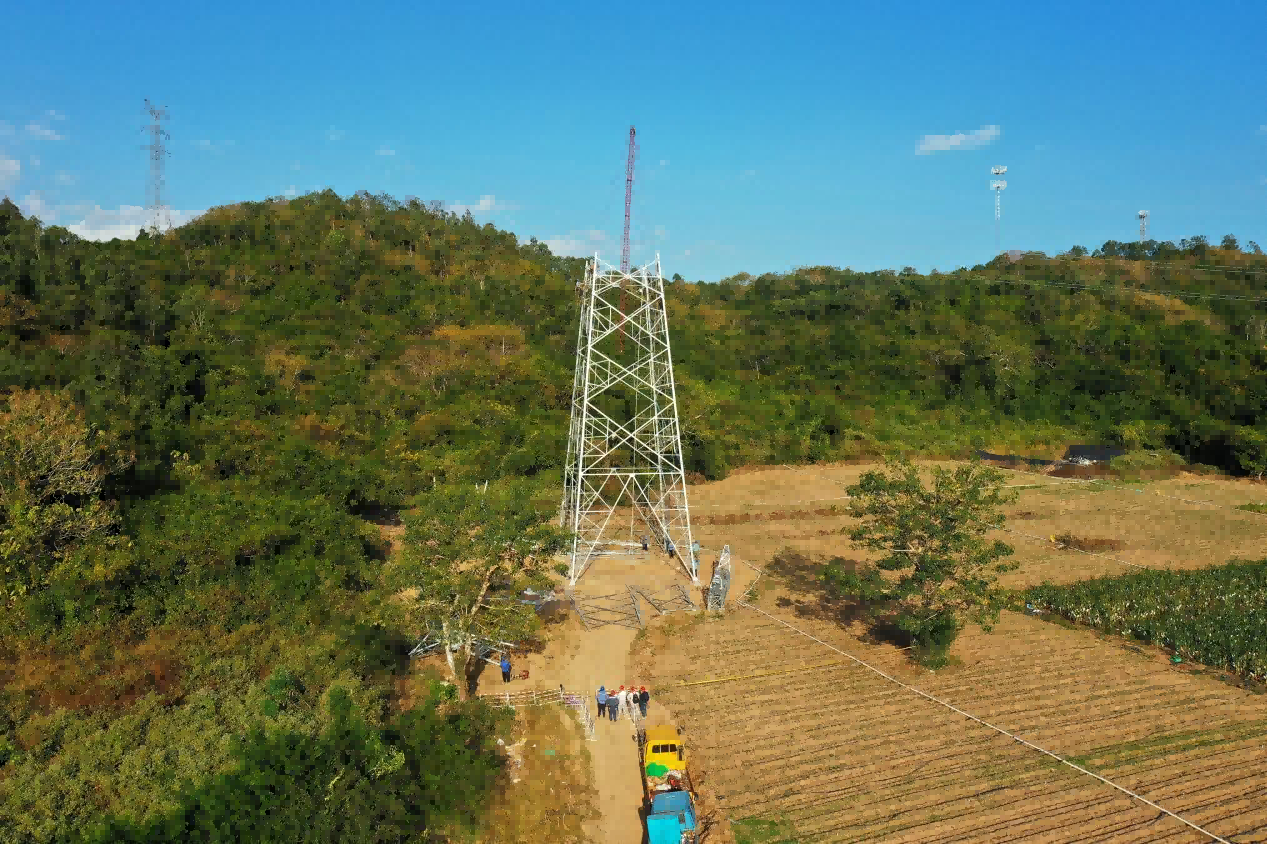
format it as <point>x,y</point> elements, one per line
<point>487,203</point>
<point>578,244</point>
<point>64,178</point>
<point>959,140</point>
<point>384,151</point>
<point>6,130</point>
<point>664,162</point>
<point>100,224</point>
<point>686,253</point>
<point>290,191</point>
<point>333,134</point>
<point>53,113</point>
<point>10,171</point>
<point>42,133</point>
<point>1262,130</point>
<point>33,205</point>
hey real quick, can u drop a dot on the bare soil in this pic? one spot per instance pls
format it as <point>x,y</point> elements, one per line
<point>791,730</point>
<point>788,729</point>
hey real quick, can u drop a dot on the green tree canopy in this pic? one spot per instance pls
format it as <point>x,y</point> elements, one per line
<point>933,539</point>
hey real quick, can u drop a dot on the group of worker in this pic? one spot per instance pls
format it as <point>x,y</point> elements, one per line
<point>672,549</point>
<point>617,703</point>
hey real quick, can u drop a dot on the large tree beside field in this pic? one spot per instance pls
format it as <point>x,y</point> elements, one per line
<point>944,570</point>
<point>468,552</point>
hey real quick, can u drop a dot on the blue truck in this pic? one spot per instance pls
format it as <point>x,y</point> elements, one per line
<point>668,795</point>
<point>671,819</point>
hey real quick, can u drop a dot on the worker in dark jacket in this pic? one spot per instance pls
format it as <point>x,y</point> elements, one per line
<point>505,668</point>
<point>643,697</point>
<point>602,701</point>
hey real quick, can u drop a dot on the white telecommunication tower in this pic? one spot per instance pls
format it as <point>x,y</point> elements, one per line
<point>1143,227</point>
<point>998,186</point>
<point>624,457</point>
<point>159,217</point>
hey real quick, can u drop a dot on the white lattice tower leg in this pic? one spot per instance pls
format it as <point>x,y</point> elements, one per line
<point>624,441</point>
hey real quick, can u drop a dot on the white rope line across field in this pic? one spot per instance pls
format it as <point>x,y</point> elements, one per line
<point>999,730</point>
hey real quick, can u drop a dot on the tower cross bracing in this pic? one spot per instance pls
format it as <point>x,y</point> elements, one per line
<point>624,459</point>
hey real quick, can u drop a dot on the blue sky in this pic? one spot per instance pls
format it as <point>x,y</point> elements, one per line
<point>771,136</point>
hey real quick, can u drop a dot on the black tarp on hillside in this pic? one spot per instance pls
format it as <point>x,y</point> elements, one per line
<point>1014,458</point>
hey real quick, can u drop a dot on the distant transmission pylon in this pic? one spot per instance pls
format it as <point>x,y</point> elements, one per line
<point>159,217</point>
<point>1143,227</point>
<point>998,186</point>
<point>624,456</point>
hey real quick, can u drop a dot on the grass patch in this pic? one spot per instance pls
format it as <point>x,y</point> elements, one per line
<point>555,791</point>
<point>1147,465</point>
<point>1253,508</point>
<point>1154,747</point>
<point>763,831</point>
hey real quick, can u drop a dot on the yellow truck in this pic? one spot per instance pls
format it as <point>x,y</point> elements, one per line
<point>669,799</point>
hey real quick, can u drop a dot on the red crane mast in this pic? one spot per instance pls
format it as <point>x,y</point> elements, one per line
<point>629,168</point>
<point>624,241</point>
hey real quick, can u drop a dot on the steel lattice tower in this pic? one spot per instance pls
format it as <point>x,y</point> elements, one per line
<point>160,219</point>
<point>624,457</point>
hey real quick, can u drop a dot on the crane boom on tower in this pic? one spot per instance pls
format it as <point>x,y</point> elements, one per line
<point>629,171</point>
<point>624,240</point>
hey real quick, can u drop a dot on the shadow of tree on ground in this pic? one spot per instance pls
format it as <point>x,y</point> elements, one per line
<point>803,575</point>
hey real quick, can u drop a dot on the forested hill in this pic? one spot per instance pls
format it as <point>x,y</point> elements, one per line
<point>196,426</point>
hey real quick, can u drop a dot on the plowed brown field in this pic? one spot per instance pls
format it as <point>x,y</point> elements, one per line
<point>789,729</point>
<point>845,755</point>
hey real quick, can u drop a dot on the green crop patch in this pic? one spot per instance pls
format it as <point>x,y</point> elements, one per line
<point>1215,616</point>
<point>1127,753</point>
<point>763,831</point>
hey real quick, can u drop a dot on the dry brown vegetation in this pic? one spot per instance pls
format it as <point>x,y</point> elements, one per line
<point>1081,543</point>
<point>548,792</point>
<point>1154,524</point>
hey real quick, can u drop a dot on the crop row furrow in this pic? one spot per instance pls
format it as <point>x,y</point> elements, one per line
<point>1182,783</point>
<point>780,687</point>
<point>1212,789</point>
<point>1177,713</point>
<point>1160,770</point>
<point>1033,816</point>
<point>1041,820</point>
<point>1025,785</point>
<point>923,776</point>
<point>1069,736</point>
<point>846,782</point>
<point>1225,817</point>
<point>967,809</point>
<point>930,739</point>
